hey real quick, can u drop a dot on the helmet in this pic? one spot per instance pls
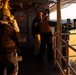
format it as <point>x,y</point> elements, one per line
<point>46,11</point>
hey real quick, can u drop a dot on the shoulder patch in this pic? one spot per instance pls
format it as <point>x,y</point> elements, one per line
<point>36,23</point>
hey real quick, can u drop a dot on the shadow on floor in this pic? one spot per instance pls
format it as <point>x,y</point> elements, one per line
<point>29,65</point>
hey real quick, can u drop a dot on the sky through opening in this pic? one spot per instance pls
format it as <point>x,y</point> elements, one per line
<point>68,12</point>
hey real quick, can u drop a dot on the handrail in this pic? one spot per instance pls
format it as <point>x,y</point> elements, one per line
<point>72,48</point>
<point>61,54</point>
<point>60,67</point>
<point>68,33</point>
<point>67,51</point>
<point>72,69</point>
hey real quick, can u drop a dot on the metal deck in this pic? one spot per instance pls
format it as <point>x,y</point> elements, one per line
<point>29,66</point>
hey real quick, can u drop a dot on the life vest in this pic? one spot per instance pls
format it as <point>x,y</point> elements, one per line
<point>44,27</point>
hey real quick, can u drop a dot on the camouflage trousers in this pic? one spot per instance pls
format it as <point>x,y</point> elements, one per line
<point>10,63</point>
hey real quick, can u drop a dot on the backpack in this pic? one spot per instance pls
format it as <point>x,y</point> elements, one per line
<point>5,46</point>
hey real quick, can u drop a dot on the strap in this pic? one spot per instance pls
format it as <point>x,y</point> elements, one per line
<point>2,26</point>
